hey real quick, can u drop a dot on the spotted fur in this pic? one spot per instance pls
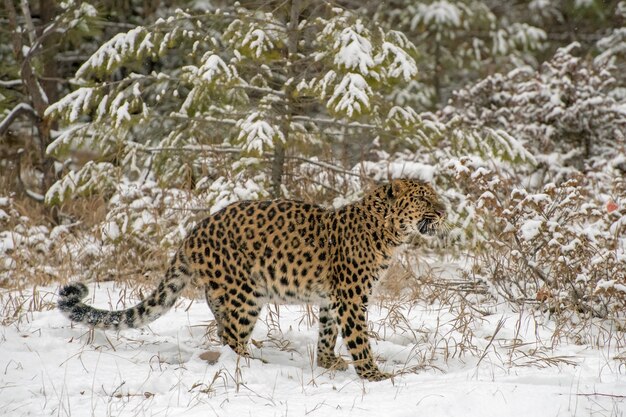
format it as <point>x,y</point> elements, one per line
<point>251,253</point>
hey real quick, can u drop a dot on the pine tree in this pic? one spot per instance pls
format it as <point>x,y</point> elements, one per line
<point>459,41</point>
<point>31,66</point>
<point>235,102</point>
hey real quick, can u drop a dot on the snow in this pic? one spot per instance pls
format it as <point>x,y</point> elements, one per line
<point>608,284</point>
<point>486,196</point>
<point>438,13</point>
<point>213,66</point>
<point>401,65</point>
<point>10,83</point>
<point>583,3</point>
<point>122,114</point>
<point>258,41</point>
<point>354,51</point>
<point>524,34</point>
<point>531,229</point>
<point>77,101</point>
<point>384,170</point>
<point>21,107</point>
<point>224,191</point>
<point>539,5</point>
<point>111,53</point>
<point>51,368</point>
<point>509,363</point>
<point>111,230</point>
<point>257,135</point>
<point>212,69</point>
<point>404,115</point>
<point>513,147</point>
<point>571,246</point>
<point>351,95</point>
<point>8,241</point>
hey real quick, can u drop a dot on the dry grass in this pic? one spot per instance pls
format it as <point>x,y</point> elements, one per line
<point>458,302</point>
<point>17,307</point>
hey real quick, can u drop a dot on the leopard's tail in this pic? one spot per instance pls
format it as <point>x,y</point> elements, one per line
<point>158,303</point>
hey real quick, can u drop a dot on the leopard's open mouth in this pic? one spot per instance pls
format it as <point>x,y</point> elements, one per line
<point>427,227</point>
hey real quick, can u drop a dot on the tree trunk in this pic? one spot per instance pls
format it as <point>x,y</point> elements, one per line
<point>436,75</point>
<point>39,89</point>
<point>49,82</point>
<point>278,163</point>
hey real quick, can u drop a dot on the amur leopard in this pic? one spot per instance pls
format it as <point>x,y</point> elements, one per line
<point>254,252</point>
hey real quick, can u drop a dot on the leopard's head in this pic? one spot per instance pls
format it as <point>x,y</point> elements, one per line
<point>414,207</point>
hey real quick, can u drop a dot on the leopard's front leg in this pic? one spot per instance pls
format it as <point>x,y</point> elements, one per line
<point>353,325</point>
<point>327,340</point>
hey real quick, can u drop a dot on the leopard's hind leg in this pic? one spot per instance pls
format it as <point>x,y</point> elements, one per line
<point>236,307</point>
<point>214,305</point>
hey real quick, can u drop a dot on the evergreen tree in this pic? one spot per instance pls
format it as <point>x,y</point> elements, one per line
<point>38,33</point>
<point>459,41</point>
<point>227,104</point>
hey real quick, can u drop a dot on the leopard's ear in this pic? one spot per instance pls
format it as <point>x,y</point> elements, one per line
<point>396,188</point>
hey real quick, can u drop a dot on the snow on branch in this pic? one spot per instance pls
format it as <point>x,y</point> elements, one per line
<point>20,109</point>
<point>92,177</point>
<point>10,83</point>
<point>224,191</point>
<point>258,41</point>
<point>400,64</point>
<point>135,43</point>
<point>67,138</point>
<point>212,69</point>
<point>73,104</point>
<point>351,96</point>
<point>354,51</point>
<point>257,135</point>
<point>212,74</point>
<point>440,14</point>
<point>340,123</point>
<point>511,146</point>
<point>256,38</point>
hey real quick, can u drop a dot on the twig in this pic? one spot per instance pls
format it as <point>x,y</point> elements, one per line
<point>32,194</point>
<point>10,83</point>
<point>334,122</point>
<point>324,165</point>
<point>192,148</point>
<point>206,119</point>
<point>29,21</point>
<point>493,337</point>
<point>234,150</point>
<point>599,394</point>
<point>20,109</point>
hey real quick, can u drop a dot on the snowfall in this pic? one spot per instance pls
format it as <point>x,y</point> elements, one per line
<point>496,361</point>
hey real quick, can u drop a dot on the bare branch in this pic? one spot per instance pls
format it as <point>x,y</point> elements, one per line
<point>599,394</point>
<point>234,150</point>
<point>16,38</point>
<point>325,165</point>
<point>334,122</point>
<point>35,90</point>
<point>261,90</point>
<point>20,109</point>
<point>194,148</point>
<point>207,119</point>
<point>10,83</point>
<point>30,27</point>
<point>32,194</point>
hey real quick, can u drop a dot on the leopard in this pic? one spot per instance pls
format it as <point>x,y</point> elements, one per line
<point>251,253</point>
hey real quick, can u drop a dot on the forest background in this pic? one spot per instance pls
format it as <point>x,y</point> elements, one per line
<point>123,122</point>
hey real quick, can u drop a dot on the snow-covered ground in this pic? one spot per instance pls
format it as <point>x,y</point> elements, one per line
<point>449,363</point>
